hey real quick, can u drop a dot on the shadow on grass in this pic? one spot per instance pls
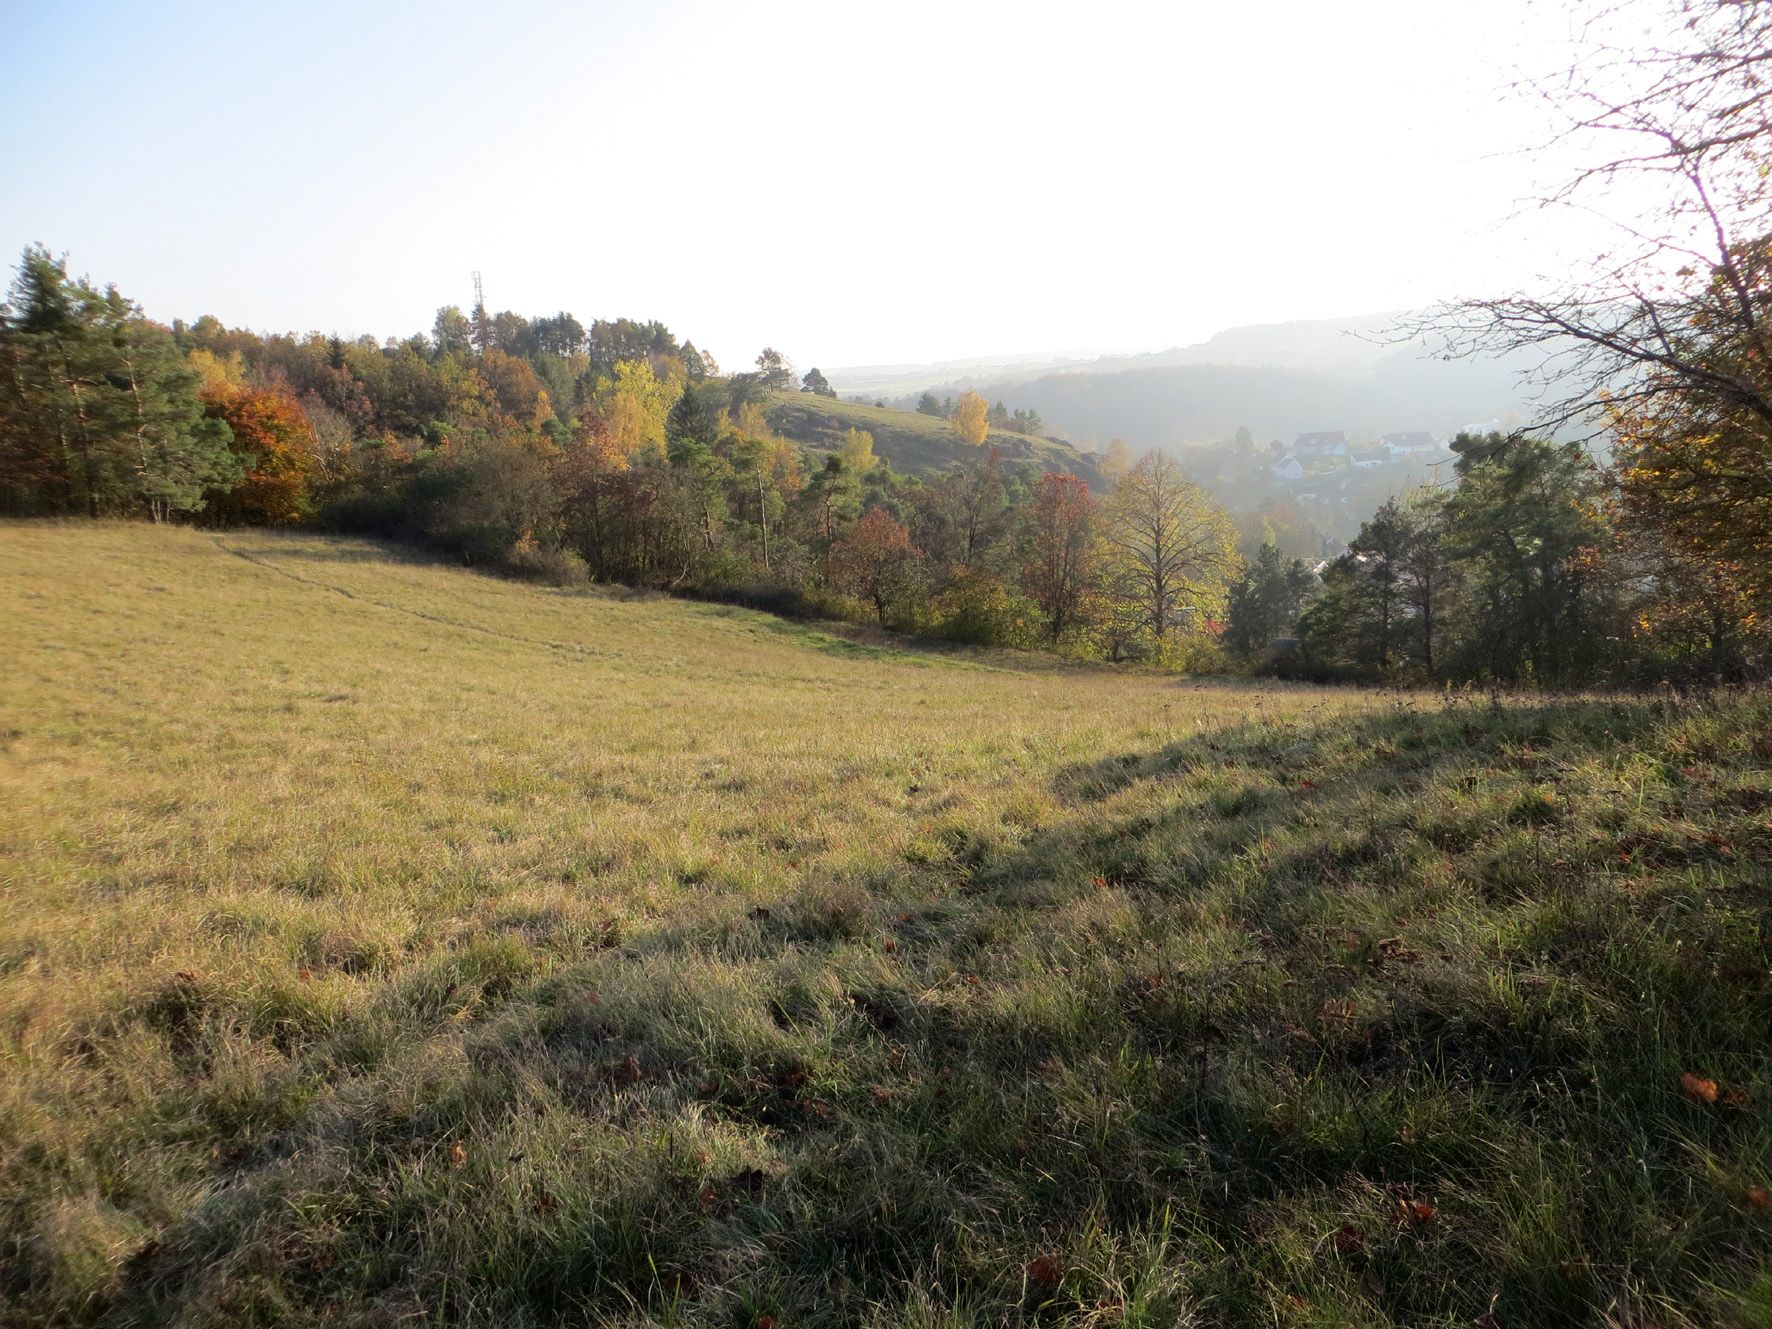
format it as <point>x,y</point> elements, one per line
<point>1367,1016</point>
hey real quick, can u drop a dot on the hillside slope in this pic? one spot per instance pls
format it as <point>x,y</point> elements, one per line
<point>912,442</point>
<point>1278,379</point>
<point>388,945</point>
<point>1174,405</point>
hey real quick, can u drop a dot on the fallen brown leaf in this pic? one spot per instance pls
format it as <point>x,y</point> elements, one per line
<point>1698,1089</point>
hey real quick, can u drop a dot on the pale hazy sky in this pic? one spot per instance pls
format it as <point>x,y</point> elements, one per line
<point>850,182</point>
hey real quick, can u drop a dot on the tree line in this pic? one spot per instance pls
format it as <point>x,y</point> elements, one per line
<point>1533,566</point>
<point>1536,563</point>
<point>547,449</point>
<point>998,416</point>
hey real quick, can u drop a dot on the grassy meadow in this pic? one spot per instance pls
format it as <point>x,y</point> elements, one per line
<point>384,944</point>
<point>910,441</point>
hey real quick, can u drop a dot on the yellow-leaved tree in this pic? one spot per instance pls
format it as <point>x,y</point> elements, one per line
<point>1171,556</point>
<point>1116,461</point>
<point>857,451</point>
<point>636,402</point>
<point>217,373</point>
<point>972,418</point>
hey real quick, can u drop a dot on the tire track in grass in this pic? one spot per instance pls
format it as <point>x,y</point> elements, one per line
<point>565,647</point>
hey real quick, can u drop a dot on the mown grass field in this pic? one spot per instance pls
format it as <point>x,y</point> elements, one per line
<point>913,442</point>
<point>388,945</point>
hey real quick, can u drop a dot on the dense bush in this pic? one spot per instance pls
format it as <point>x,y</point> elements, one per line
<point>978,609</point>
<point>551,564</point>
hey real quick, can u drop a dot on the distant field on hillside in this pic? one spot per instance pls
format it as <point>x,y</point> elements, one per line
<point>913,442</point>
<point>389,945</point>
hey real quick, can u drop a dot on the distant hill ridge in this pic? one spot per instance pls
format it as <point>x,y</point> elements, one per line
<point>1277,379</point>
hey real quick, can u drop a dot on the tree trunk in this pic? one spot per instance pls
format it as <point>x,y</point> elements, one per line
<point>763,519</point>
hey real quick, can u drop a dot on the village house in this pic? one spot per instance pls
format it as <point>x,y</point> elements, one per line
<point>1329,444</point>
<point>1409,444</point>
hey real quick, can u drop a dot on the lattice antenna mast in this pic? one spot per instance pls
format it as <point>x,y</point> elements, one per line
<point>480,327</point>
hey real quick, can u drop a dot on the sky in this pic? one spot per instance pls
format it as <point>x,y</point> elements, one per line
<point>853,183</point>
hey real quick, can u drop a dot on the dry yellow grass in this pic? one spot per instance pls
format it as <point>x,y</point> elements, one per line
<point>391,750</point>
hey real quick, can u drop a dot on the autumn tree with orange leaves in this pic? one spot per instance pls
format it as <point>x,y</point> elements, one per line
<point>876,562</point>
<point>275,444</point>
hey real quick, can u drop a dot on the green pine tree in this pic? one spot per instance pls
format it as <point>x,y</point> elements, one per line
<point>99,414</point>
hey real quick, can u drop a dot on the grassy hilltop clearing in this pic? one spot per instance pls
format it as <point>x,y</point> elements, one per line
<point>384,944</point>
<point>913,442</point>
